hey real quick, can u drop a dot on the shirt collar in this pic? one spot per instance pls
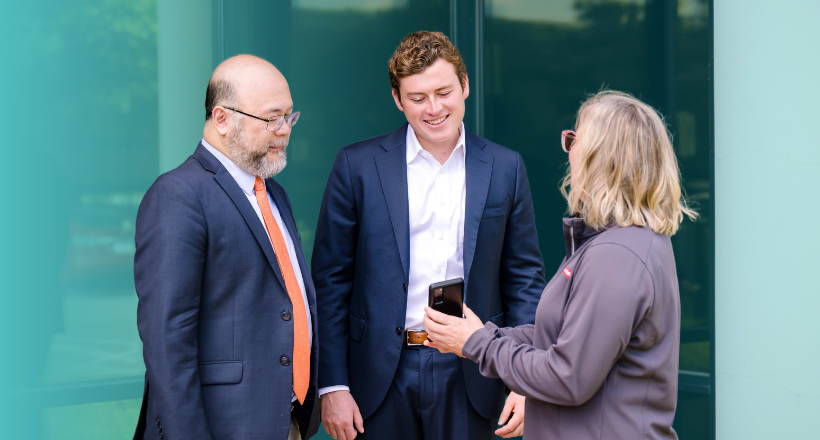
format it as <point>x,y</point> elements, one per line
<point>244,179</point>
<point>414,147</point>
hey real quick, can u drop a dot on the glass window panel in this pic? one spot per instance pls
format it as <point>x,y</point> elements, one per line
<point>81,148</point>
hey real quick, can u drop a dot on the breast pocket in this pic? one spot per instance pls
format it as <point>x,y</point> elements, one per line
<point>496,210</point>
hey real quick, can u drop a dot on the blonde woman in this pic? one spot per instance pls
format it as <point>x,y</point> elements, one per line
<point>601,360</point>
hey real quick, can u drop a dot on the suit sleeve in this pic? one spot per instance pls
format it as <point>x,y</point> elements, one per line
<point>521,275</point>
<point>603,307</point>
<point>334,252</point>
<point>168,266</point>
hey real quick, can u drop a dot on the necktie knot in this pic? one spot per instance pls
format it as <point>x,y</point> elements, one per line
<point>259,185</point>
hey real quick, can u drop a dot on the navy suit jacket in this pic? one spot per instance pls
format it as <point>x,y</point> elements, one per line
<point>212,311</point>
<point>362,252</point>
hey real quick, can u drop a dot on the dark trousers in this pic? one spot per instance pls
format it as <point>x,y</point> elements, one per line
<point>427,400</point>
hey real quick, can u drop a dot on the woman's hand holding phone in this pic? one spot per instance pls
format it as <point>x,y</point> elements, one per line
<point>450,333</point>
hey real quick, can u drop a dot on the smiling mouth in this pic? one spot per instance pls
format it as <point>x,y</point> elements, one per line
<point>437,121</point>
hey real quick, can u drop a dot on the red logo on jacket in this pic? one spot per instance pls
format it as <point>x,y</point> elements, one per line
<point>567,272</point>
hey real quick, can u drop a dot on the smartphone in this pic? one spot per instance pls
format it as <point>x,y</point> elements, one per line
<point>447,297</point>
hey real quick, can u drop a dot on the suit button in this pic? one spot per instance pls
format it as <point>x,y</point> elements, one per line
<point>398,331</point>
<point>285,316</point>
<point>284,361</point>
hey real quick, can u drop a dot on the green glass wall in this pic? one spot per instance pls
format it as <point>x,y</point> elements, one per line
<point>104,95</point>
<point>80,148</point>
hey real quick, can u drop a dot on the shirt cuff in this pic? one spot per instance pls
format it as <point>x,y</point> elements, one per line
<point>326,390</point>
<point>479,340</point>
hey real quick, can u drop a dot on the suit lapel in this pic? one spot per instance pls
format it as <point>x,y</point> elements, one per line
<point>392,168</point>
<point>280,199</point>
<point>479,168</point>
<point>224,178</point>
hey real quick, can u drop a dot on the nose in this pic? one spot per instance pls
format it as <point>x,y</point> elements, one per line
<point>435,106</point>
<point>283,130</point>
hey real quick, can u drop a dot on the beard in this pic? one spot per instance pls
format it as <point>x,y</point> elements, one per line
<point>252,157</point>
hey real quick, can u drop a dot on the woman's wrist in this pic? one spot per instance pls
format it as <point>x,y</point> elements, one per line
<point>475,344</point>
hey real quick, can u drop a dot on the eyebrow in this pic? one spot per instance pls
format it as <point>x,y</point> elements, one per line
<point>279,110</point>
<point>437,90</point>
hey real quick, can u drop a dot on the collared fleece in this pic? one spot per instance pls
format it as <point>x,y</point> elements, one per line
<point>601,360</point>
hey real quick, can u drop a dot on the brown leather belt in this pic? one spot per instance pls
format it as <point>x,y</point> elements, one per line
<point>413,337</point>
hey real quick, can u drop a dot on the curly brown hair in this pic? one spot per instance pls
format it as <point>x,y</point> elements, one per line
<point>420,50</point>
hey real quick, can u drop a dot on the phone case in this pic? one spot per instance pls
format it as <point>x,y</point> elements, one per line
<point>447,296</point>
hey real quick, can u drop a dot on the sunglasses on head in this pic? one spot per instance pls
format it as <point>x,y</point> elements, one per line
<point>567,140</point>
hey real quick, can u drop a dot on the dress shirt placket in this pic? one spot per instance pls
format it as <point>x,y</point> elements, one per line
<point>441,229</point>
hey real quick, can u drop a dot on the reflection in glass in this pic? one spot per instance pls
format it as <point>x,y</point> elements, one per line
<point>350,5</point>
<point>69,308</point>
<point>555,11</point>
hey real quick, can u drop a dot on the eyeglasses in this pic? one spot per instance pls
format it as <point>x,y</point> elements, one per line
<point>567,140</point>
<point>274,122</point>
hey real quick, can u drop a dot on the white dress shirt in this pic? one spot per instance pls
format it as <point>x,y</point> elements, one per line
<point>246,181</point>
<point>437,196</point>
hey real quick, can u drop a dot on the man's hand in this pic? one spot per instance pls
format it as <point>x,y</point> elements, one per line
<point>515,426</point>
<point>449,333</point>
<point>340,415</point>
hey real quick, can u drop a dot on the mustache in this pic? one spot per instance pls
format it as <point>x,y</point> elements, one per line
<point>278,143</point>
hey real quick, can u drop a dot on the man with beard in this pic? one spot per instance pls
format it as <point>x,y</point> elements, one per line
<point>226,304</point>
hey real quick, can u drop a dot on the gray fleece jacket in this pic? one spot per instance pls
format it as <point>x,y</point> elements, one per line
<point>601,360</point>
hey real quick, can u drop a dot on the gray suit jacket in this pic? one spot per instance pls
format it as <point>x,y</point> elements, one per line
<point>601,360</point>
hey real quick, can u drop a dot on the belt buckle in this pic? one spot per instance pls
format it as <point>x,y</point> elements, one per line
<point>407,337</point>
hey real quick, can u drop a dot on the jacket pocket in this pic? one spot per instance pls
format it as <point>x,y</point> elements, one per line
<point>495,210</point>
<point>220,373</point>
<point>499,320</point>
<point>355,327</point>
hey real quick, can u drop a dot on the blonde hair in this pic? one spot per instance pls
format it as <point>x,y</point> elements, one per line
<point>628,172</point>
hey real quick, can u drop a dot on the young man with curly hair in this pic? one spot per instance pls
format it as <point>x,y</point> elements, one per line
<point>426,203</point>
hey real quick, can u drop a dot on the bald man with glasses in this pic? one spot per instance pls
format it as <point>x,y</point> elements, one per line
<point>227,308</point>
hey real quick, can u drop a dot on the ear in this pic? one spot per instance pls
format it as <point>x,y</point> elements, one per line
<point>465,87</point>
<point>397,99</point>
<point>220,120</point>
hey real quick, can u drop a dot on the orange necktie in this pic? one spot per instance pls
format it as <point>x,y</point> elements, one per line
<point>301,340</point>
